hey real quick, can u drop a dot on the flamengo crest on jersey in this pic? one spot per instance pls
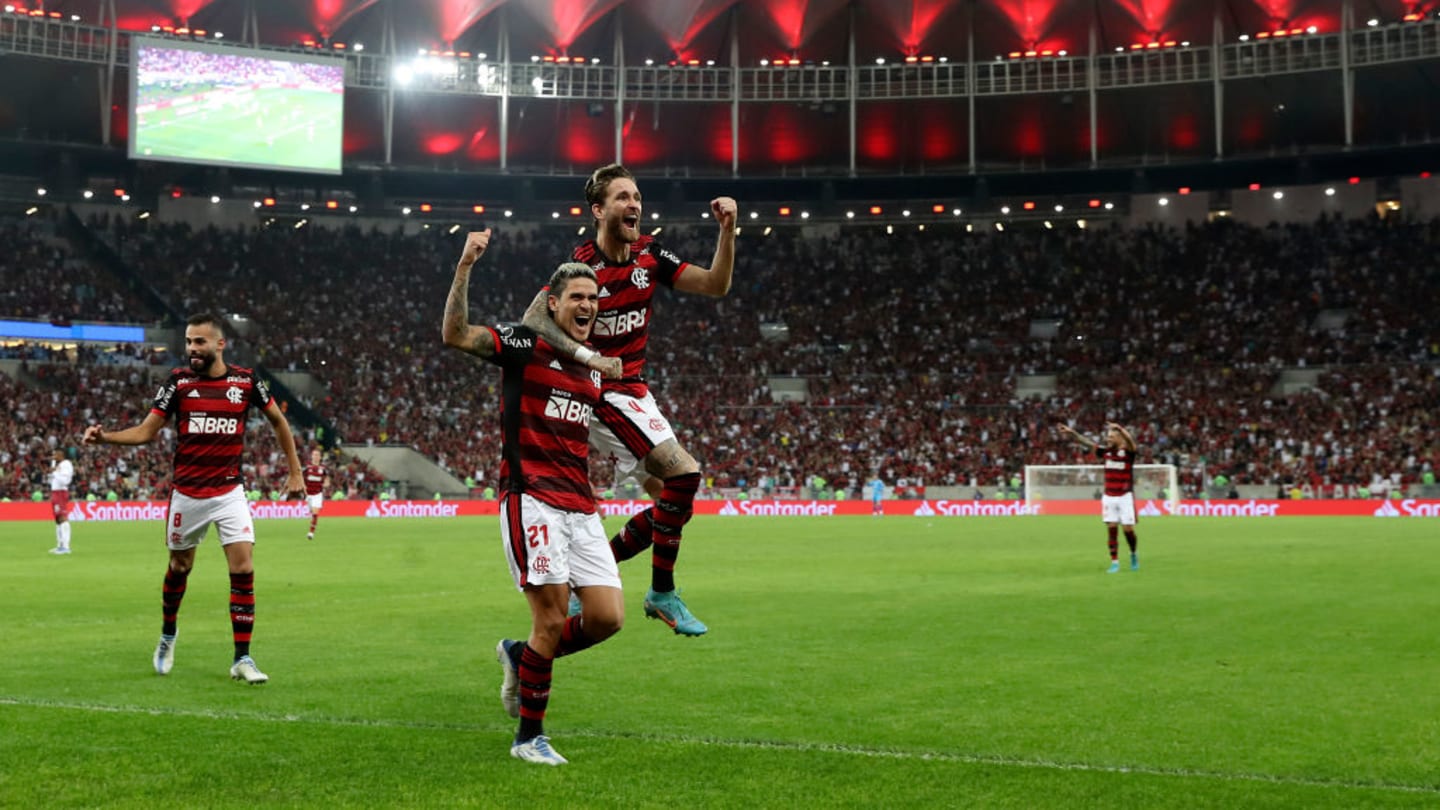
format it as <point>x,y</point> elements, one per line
<point>622,325</point>
<point>545,407</point>
<point>210,422</point>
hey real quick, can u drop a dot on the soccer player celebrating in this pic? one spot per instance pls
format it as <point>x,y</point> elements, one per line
<point>209,401</point>
<point>62,472</point>
<point>627,423</point>
<point>553,537</point>
<point>316,479</point>
<point>1117,504</point>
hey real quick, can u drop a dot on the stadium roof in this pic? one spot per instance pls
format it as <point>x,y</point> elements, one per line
<point>1294,114</point>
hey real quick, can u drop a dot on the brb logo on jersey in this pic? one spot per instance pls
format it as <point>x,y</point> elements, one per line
<point>560,406</point>
<point>213,425</point>
<point>619,323</point>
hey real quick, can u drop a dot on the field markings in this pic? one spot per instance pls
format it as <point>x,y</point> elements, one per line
<point>765,745</point>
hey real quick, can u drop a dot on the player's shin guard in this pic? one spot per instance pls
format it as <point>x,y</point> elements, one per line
<point>170,595</point>
<point>635,537</point>
<point>534,693</point>
<point>242,611</point>
<point>1114,542</point>
<point>672,512</point>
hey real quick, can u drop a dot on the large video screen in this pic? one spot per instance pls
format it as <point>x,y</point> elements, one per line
<point>196,103</point>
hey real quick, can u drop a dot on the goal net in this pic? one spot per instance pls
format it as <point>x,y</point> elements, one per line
<point>1086,482</point>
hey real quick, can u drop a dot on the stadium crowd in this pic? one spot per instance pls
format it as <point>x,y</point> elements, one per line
<point>912,347</point>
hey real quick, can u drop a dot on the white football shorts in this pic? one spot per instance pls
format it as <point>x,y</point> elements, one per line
<point>190,518</point>
<point>1118,509</point>
<point>316,502</point>
<point>625,429</point>
<point>549,546</point>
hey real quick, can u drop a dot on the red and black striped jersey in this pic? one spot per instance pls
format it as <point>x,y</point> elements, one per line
<point>1119,469</point>
<point>622,325</point>
<point>545,406</point>
<point>210,426</point>
<point>314,475</point>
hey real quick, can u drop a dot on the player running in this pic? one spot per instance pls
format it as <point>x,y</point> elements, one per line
<point>627,424</point>
<point>209,401</point>
<point>1117,504</point>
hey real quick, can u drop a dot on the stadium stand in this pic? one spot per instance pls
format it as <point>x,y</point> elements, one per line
<point>908,348</point>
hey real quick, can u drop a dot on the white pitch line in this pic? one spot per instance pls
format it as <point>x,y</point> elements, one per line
<point>766,745</point>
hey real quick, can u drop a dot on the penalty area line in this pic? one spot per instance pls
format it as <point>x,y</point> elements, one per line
<point>760,745</point>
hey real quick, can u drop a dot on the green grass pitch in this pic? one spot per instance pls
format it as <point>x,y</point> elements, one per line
<point>852,662</point>
<point>285,127</point>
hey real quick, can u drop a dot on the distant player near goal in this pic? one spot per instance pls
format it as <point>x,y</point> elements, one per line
<point>315,480</point>
<point>1117,505</point>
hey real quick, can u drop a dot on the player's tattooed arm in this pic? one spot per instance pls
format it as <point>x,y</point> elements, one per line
<point>1077,436</point>
<point>537,318</point>
<point>456,329</point>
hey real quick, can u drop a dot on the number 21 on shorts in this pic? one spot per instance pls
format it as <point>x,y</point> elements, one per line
<point>538,535</point>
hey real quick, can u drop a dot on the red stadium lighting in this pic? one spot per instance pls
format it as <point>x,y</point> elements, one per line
<point>175,193</point>
<point>269,202</point>
<point>937,209</point>
<point>339,46</point>
<point>169,29</point>
<point>426,208</point>
<point>199,32</point>
<point>331,204</point>
<point>479,209</point>
<point>119,192</point>
<point>1150,45</point>
<point>1263,35</point>
<point>792,61</point>
<point>927,59</point>
<point>1137,46</point>
<point>692,62</point>
<point>1015,54</point>
<point>1184,190</point>
<point>1281,33</point>
<point>1094,203</point>
<point>1032,53</point>
<point>1028,206</point>
<point>1413,17</point>
<point>1047,52</point>
<point>910,60</point>
<point>1254,186</point>
<point>1354,181</point>
<point>182,31</point>
<point>575,210</point>
<point>1424,175</point>
<point>1170,43</point>
<point>55,14</point>
<point>784,210</point>
<point>876,210</point>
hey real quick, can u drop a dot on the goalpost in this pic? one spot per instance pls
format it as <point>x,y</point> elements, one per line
<point>1085,482</point>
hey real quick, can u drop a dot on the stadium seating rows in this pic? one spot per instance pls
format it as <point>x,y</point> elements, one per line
<point>912,344</point>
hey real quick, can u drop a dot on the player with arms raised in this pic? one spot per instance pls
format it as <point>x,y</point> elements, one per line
<point>553,537</point>
<point>627,423</point>
<point>1117,504</point>
<point>316,479</point>
<point>210,401</point>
